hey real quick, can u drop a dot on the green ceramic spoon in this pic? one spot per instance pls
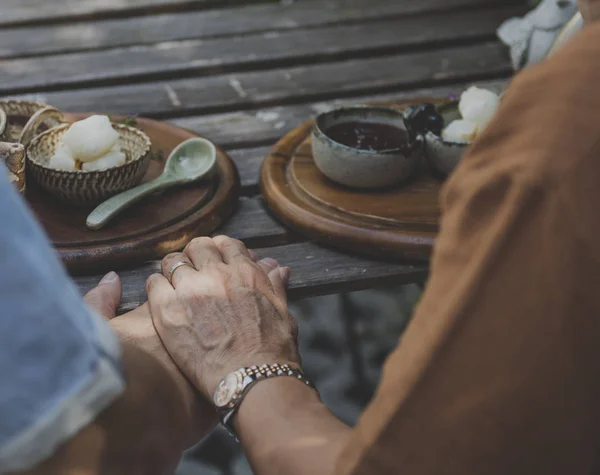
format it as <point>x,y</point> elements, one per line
<point>190,161</point>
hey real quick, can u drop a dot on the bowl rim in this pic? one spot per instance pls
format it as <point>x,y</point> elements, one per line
<point>40,137</point>
<point>319,132</point>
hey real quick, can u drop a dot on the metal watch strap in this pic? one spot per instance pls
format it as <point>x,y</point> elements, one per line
<point>256,374</point>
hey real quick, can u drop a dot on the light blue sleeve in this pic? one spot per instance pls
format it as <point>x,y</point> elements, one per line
<point>59,362</point>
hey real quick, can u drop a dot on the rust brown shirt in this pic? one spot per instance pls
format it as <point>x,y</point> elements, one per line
<point>499,371</point>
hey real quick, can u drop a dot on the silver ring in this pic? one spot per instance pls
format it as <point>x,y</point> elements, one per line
<point>176,266</point>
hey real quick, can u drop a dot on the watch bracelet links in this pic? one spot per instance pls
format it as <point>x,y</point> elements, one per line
<point>264,371</point>
<point>275,369</point>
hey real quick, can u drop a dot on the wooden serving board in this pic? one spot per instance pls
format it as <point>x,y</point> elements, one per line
<point>150,229</point>
<point>399,222</point>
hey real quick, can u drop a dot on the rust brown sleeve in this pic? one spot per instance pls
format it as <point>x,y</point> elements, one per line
<point>499,371</point>
<point>590,9</point>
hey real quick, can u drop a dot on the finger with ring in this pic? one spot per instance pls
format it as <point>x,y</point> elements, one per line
<point>176,266</point>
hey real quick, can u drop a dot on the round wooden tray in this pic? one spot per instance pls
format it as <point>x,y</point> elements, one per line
<point>396,222</point>
<point>149,230</point>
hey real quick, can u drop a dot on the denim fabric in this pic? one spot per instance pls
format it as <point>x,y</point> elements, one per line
<point>59,363</point>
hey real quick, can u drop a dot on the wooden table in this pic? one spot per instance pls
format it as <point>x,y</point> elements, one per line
<point>243,73</point>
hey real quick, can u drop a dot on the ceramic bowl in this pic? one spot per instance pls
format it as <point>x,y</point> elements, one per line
<point>443,155</point>
<point>359,168</point>
<point>88,188</point>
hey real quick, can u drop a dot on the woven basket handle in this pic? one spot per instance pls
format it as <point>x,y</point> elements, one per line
<point>37,119</point>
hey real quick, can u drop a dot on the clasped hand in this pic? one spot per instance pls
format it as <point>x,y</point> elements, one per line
<point>224,311</point>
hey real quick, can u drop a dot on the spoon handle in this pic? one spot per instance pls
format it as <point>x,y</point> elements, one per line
<point>118,203</point>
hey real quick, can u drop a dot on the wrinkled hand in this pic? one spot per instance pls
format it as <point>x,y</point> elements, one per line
<point>590,9</point>
<point>136,328</point>
<point>224,313</point>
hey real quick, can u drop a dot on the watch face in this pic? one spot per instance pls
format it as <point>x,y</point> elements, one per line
<point>226,390</point>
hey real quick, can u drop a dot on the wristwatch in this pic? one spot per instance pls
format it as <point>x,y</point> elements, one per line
<point>233,387</point>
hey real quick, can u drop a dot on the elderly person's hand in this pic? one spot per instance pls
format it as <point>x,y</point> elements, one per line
<point>136,328</point>
<point>590,9</point>
<point>223,311</point>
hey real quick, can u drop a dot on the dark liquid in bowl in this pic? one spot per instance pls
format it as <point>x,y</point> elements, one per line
<point>368,135</point>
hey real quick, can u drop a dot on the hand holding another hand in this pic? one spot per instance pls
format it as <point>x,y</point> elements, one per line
<point>136,330</point>
<point>222,311</point>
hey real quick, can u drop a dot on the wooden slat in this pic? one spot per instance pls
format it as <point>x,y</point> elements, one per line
<point>26,12</point>
<point>172,60</point>
<point>315,271</point>
<point>253,224</point>
<point>288,85</point>
<point>81,36</point>
<point>263,127</point>
<point>248,163</point>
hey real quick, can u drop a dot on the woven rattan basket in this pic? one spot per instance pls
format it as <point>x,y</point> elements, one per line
<point>88,187</point>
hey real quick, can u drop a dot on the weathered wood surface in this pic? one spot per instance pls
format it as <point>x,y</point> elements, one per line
<point>200,57</point>
<point>244,73</point>
<point>316,270</point>
<point>167,99</point>
<point>25,12</point>
<point>88,35</point>
<point>264,126</point>
<point>254,225</point>
<point>248,162</point>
